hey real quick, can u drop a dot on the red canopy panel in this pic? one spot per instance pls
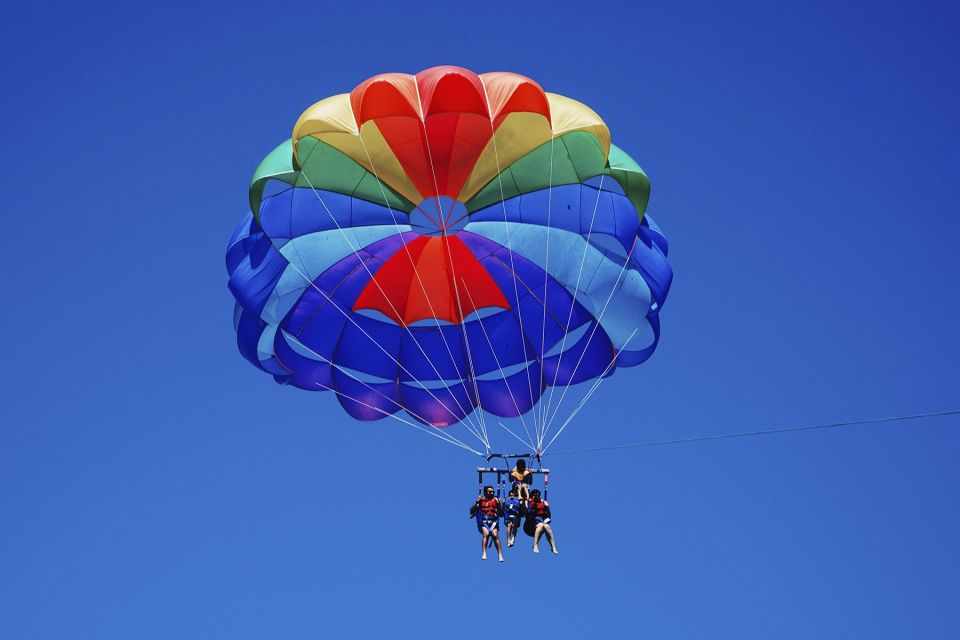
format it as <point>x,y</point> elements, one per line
<point>417,283</point>
<point>438,122</point>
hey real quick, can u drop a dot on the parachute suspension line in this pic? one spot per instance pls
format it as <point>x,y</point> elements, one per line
<point>386,297</point>
<point>437,432</point>
<point>496,359</point>
<point>764,432</point>
<point>362,330</point>
<point>576,290</point>
<point>524,424</point>
<point>423,288</point>
<point>593,332</point>
<point>546,274</point>
<point>516,292</point>
<point>466,343</point>
<point>586,398</point>
<point>529,291</point>
<point>526,444</point>
<point>456,290</point>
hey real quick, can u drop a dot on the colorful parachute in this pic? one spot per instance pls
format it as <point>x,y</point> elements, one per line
<point>438,242</point>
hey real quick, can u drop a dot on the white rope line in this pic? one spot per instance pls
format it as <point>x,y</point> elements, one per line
<point>423,287</point>
<point>576,290</point>
<point>466,341</point>
<point>496,359</point>
<point>389,301</point>
<point>331,363</point>
<point>593,332</point>
<point>596,385</point>
<point>356,252</point>
<point>352,321</point>
<point>765,432</point>
<point>506,226</point>
<point>526,444</point>
<point>399,419</point>
<point>531,293</point>
<point>546,272</point>
<point>438,433</point>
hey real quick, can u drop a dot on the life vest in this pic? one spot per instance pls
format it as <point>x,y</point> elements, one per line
<point>489,508</point>
<point>537,509</point>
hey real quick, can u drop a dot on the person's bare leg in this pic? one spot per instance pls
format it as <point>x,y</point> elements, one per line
<point>511,533</point>
<point>483,544</point>
<point>496,542</point>
<point>553,545</point>
<point>536,536</point>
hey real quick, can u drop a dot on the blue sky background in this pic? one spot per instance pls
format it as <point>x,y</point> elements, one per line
<point>804,161</point>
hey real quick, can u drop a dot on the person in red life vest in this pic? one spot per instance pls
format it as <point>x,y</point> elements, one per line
<point>522,478</point>
<point>488,510</point>
<point>539,511</point>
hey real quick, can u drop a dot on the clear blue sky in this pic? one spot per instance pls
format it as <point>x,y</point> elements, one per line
<point>804,162</point>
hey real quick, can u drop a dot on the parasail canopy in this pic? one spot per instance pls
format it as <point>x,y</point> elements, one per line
<point>446,244</point>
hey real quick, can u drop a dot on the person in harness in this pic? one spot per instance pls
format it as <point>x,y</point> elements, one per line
<point>488,510</point>
<point>522,478</point>
<point>539,512</point>
<point>513,510</point>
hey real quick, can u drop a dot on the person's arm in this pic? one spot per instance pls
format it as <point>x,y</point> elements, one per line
<point>546,505</point>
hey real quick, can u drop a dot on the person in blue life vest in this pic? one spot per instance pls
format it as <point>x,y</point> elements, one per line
<point>539,511</point>
<point>513,510</point>
<point>488,510</point>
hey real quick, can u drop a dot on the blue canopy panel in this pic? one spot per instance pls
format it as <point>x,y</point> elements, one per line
<point>249,328</point>
<point>267,267</point>
<point>296,285</point>
<point>512,395</point>
<point>513,354</point>
<point>608,218</point>
<point>299,211</point>
<point>650,259</point>
<point>603,282</point>
<point>254,265</point>
<point>439,407</point>
<point>365,400</point>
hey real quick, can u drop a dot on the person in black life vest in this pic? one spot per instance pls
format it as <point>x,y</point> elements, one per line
<point>522,478</point>
<point>539,511</point>
<point>488,510</point>
<point>512,512</point>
